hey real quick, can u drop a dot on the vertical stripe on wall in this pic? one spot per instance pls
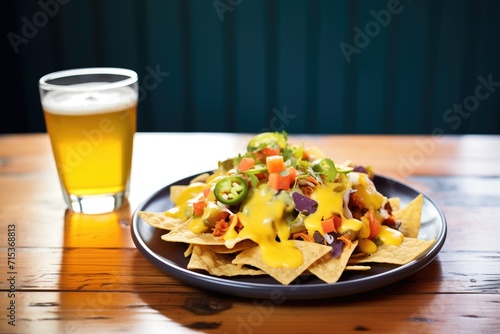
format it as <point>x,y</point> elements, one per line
<point>251,40</point>
<point>332,66</point>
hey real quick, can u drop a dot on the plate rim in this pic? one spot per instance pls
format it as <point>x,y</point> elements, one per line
<point>309,291</point>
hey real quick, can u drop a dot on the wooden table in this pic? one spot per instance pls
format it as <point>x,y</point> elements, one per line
<point>82,274</point>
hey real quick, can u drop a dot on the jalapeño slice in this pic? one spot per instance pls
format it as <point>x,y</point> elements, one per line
<point>230,190</point>
<point>267,139</point>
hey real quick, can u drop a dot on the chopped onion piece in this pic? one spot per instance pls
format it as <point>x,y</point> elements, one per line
<point>337,247</point>
<point>384,213</point>
<point>304,203</point>
<point>347,212</point>
<point>360,169</point>
<point>354,178</point>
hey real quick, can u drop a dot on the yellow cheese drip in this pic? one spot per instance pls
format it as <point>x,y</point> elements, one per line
<point>390,236</point>
<point>201,224</point>
<point>367,246</point>
<point>231,232</point>
<point>184,200</point>
<point>197,226</point>
<point>262,218</point>
<point>365,229</point>
<point>329,202</point>
<point>368,195</point>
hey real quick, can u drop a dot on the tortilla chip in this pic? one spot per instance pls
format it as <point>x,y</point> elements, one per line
<point>238,247</point>
<point>395,203</point>
<point>310,250</point>
<point>353,256</point>
<point>200,178</point>
<point>329,269</point>
<point>410,217</point>
<point>189,250</point>
<point>159,220</point>
<point>358,268</point>
<point>176,191</point>
<point>408,251</point>
<point>182,233</point>
<point>215,264</point>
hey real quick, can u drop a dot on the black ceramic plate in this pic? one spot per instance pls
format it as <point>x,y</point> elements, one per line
<point>169,257</point>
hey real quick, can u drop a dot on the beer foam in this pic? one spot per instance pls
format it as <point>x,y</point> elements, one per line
<point>89,102</point>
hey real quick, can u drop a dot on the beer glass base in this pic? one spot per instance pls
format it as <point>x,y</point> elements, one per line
<point>95,204</point>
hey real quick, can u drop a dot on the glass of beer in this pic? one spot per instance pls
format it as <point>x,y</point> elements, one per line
<point>90,115</point>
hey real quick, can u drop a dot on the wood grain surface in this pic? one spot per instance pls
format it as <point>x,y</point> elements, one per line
<point>82,274</point>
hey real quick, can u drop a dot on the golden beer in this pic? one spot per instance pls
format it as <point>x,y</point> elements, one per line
<point>92,133</point>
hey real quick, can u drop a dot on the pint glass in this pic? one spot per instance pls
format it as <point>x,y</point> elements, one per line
<point>90,115</point>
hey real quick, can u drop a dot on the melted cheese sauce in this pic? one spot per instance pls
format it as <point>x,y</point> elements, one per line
<point>390,236</point>
<point>367,246</point>
<point>373,200</point>
<point>197,224</point>
<point>184,203</point>
<point>369,196</point>
<point>329,202</point>
<point>262,218</point>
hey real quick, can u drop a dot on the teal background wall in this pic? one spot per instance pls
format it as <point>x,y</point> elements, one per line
<point>251,65</point>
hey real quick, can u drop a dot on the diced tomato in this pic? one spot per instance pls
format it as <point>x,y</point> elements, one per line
<point>293,173</point>
<point>245,164</point>
<point>198,207</point>
<point>268,151</point>
<point>261,176</point>
<point>337,221</point>
<point>275,164</point>
<point>258,156</point>
<point>206,192</point>
<point>223,215</point>
<point>328,225</point>
<point>374,225</point>
<point>278,181</point>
